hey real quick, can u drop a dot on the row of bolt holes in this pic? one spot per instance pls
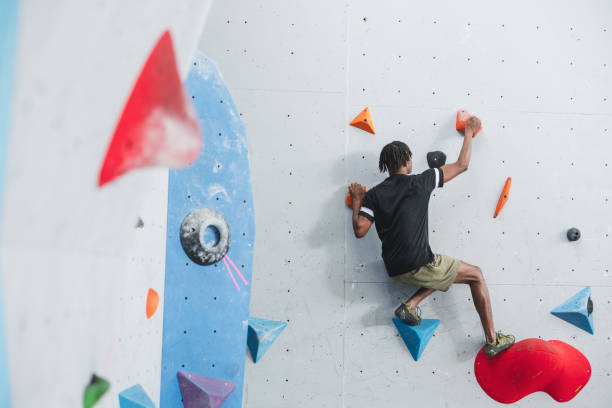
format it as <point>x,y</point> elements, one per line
<point>537,233</point>
<point>468,372</point>
<point>362,266</point>
<point>503,162</point>
<point>189,198</point>
<point>365,19</point>
<point>571,28</point>
<point>470,299</point>
<point>604,99</point>
<point>469,59</point>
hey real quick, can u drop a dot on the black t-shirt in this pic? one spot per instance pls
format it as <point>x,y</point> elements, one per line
<point>398,206</point>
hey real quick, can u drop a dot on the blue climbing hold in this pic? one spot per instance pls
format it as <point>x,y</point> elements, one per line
<point>416,337</point>
<point>262,333</point>
<point>135,397</point>
<point>578,310</point>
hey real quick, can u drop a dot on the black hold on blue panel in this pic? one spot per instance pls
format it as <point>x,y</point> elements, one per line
<point>206,307</point>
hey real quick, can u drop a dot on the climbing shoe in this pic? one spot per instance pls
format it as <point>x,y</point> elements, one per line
<point>502,342</point>
<point>407,315</point>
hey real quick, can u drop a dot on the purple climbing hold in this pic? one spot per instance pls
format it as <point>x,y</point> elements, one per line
<point>203,392</point>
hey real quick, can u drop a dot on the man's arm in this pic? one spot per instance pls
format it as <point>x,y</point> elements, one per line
<point>361,225</point>
<point>454,169</point>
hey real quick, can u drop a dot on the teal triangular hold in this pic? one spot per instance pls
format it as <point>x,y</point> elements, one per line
<point>416,337</point>
<point>135,397</point>
<point>577,310</point>
<point>262,333</point>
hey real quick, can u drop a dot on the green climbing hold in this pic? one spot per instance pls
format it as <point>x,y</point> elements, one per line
<point>96,388</point>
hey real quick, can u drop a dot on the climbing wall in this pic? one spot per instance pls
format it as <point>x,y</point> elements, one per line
<point>538,74</point>
<point>78,260</point>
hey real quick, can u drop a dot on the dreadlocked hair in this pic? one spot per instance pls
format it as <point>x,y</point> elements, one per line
<point>393,156</point>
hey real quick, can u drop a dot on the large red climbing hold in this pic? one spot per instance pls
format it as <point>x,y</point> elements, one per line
<point>532,365</point>
<point>158,125</point>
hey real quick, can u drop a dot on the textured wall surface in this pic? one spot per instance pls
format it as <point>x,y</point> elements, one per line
<point>538,74</point>
<point>76,268</point>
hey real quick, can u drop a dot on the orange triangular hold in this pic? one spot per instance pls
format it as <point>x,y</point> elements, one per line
<point>152,302</point>
<point>462,117</point>
<point>503,197</point>
<point>363,121</point>
<point>158,125</point>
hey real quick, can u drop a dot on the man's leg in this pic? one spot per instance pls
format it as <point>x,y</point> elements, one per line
<point>419,296</point>
<point>472,275</point>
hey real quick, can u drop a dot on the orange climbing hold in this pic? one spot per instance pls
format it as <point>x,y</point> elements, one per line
<point>503,197</point>
<point>462,117</point>
<point>363,121</point>
<point>152,302</point>
<point>349,200</point>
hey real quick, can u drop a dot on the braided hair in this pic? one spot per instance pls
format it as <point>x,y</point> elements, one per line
<point>393,156</point>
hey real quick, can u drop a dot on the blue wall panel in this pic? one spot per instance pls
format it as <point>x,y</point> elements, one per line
<point>205,309</point>
<point>8,23</point>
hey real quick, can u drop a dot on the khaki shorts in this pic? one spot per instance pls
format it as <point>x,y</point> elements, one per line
<point>439,274</point>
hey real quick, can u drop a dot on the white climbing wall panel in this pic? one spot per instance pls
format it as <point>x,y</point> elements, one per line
<point>538,74</point>
<point>76,269</point>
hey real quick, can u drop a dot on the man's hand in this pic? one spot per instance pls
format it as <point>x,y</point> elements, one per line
<point>361,224</point>
<point>452,170</point>
<point>357,192</point>
<point>472,126</point>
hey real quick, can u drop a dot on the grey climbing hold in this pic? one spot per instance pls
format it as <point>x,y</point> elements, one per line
<point>573,234</point>
<point>139,223</point>
<point>192,236</point>
<point>436,159</point>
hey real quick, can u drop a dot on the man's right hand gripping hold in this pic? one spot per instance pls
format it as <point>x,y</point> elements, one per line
<point>399,208</point>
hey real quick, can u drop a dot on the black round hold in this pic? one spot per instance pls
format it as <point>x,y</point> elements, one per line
<point>436,159</point>
<point>573,234</point>
<point>192,229</point>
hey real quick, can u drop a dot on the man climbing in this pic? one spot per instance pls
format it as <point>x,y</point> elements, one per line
<point>399,207</point>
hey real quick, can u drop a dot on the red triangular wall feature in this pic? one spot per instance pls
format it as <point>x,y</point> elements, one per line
<point>158,125</point>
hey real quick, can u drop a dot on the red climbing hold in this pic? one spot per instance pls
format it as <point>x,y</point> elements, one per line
<point>532,365</point>
<point>158,125</point>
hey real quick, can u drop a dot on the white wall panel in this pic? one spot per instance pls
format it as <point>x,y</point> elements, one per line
<point>76,270</point>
